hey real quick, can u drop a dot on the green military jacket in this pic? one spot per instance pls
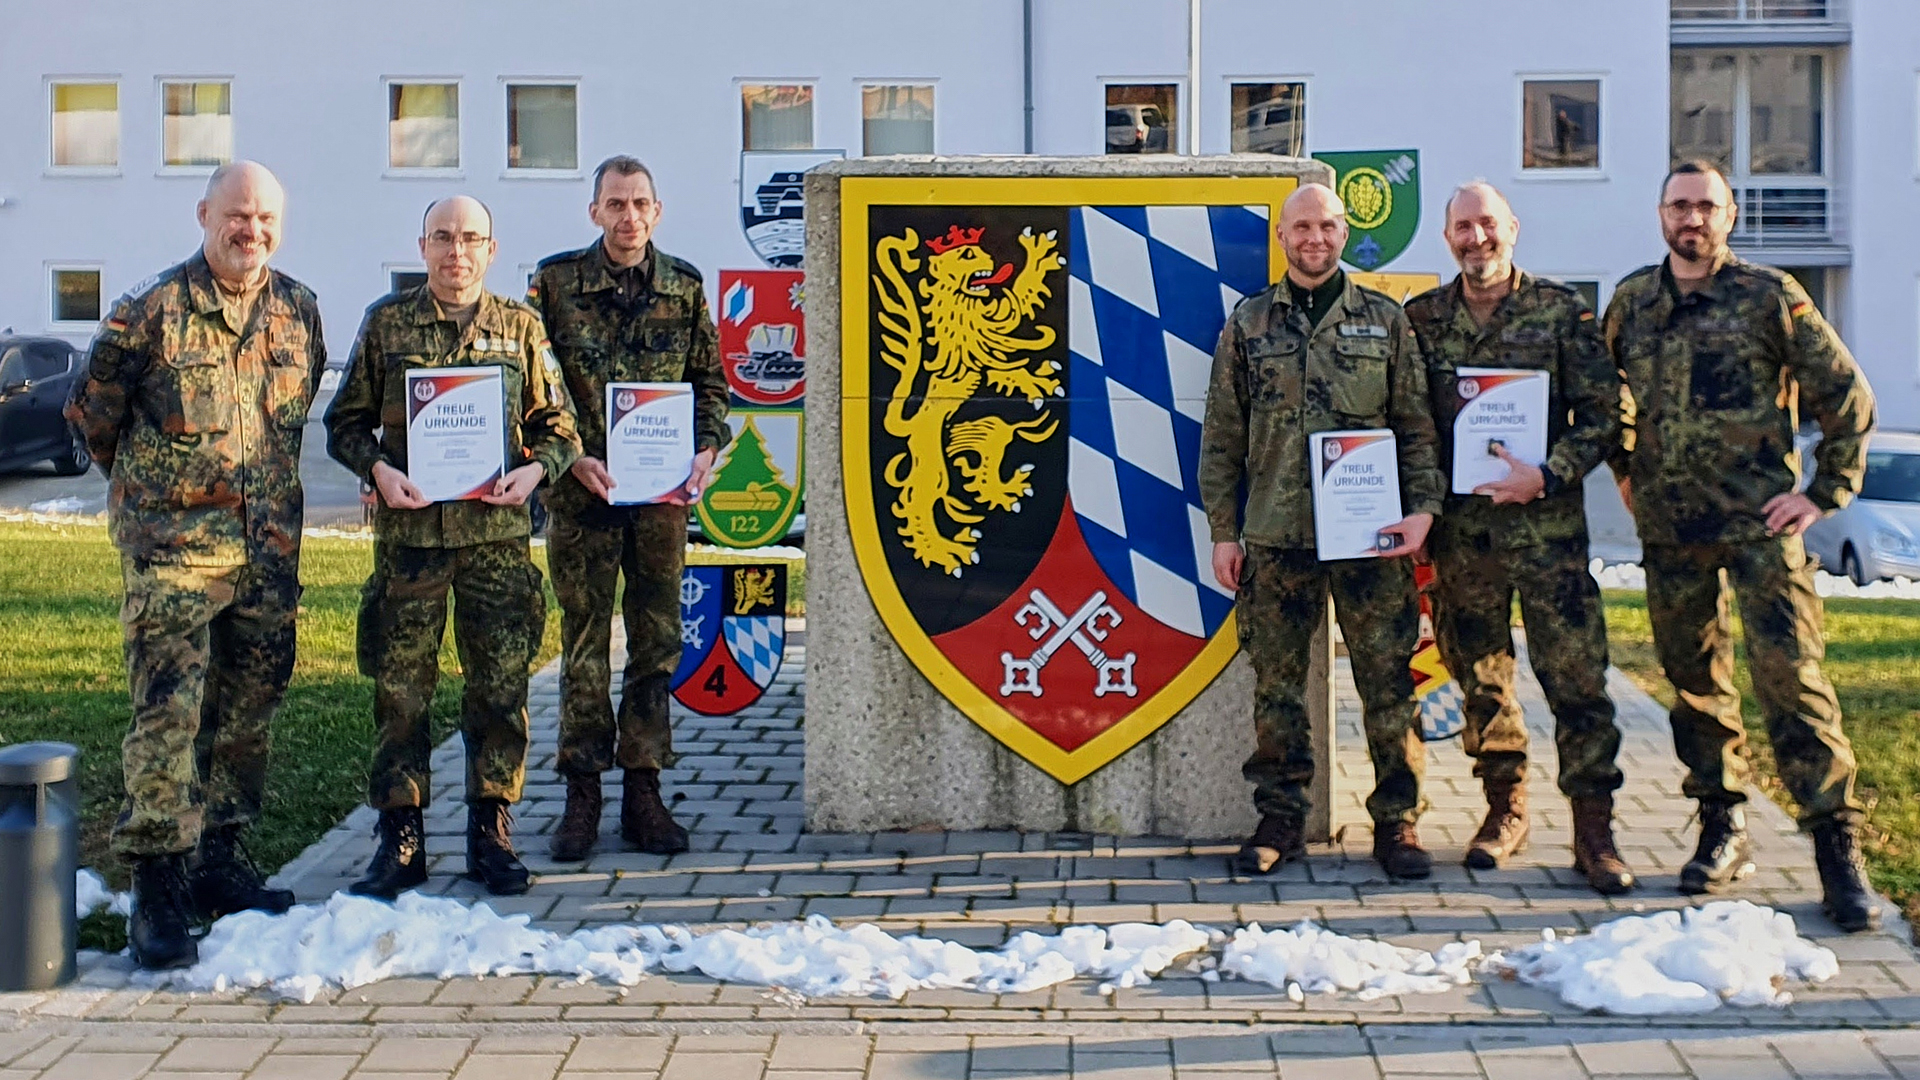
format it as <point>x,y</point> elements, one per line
<point>1276,381</point>
<point>367,422</point>
<point>197,422</point>
<point>1717,383</point>
<point>1541,326</point>
<point>664,334</point>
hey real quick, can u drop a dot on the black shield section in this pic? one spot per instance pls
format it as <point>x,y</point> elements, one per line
<point>1012,543</point>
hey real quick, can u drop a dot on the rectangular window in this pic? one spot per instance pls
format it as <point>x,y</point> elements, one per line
<point>1705,85</point>
<point>543,129</point>
<point>1270,118</point>
<point>776,117</point>
<point>196,123</point>
<point>896,120</point>
<point>402,280</point>
<point>86,125</point>
<point>1785,113</point>
<point>1561,128</point>
<point>423,125</point>
<point>1589,290</point>
<point>1143,118</point>
<point>76,294</point>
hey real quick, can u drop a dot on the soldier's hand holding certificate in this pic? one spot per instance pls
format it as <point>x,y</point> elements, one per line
<point>649,440</point>
<point>1498,407</point>
<point>456,431</point>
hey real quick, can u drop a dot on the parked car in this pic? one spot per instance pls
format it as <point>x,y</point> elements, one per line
<point>1877,535</point>
<point>1136,129</point>
<point>35,375</point>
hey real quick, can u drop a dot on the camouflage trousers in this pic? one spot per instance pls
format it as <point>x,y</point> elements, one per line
<point>499,614</point>
<point>648,546</point>
<point>1473,592</point>
<point>1689,605</point>
<point>1282,602</point>
<point>209,652</point>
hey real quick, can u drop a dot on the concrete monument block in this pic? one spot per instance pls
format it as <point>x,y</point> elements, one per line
<point>929,650</point>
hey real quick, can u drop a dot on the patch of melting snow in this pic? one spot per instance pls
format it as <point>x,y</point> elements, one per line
<point>1689,961</point>
<point>1311,959</point>
<point>1729,952</point>
<point>1631,576</point>
<point>90,892</point>
<point>66,506</point>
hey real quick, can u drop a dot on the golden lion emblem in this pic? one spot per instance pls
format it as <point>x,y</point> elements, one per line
<point>943,339</point>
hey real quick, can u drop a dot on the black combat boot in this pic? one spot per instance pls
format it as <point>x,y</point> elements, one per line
<point>1396,847</point>
<point>225,880</point>
<point>1504,830</point>
<point>644,821</point>
<point>1843,876</point>
<point>490,857</point>
<point>1277,840</point>
<point>160,930</point>
<point>579,827</point>
<point>1593,852</point>
<point>1725,854</point>
<point>400,862</point>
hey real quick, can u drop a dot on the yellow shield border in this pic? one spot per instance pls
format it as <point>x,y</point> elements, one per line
<point>857,195</point>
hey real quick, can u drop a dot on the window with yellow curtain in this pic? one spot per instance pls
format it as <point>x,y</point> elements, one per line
<point>196,123</point>
<point>86,125</point>
<point>423,125</point>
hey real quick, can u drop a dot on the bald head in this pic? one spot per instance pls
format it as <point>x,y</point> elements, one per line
<point>1313,233</point>
<point>1481,231</point>
<point>457,243</point>
<point>240,215</point>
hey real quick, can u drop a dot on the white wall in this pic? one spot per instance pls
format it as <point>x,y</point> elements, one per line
<point>661,80</point>
<point>1881,136</point>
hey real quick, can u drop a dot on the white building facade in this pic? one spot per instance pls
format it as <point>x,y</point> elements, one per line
<point>113,112</point>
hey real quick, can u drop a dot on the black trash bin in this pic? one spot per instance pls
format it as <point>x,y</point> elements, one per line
<point>39,855</point>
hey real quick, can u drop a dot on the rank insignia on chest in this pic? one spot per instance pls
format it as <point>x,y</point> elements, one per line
<point>1023,387</point>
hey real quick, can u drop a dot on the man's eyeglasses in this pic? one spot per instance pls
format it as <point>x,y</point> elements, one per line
<point>441,238</point>
<point>1681,208</point>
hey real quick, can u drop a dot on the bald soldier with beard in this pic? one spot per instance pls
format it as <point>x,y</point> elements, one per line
<point>194,405</point>
<point>1314,353</point>
<point>1524,535</point>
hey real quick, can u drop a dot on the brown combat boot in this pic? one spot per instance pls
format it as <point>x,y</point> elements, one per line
<point>579,827</point>
<point>644,821</point>
<point>1593,852</point>
<point>1396,847</point>
<point>1504,831</point>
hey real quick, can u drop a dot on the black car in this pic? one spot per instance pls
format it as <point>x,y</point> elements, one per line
<point>35,375</point>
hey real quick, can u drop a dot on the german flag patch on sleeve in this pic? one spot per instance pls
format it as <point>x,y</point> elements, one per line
<point>1804,307</point>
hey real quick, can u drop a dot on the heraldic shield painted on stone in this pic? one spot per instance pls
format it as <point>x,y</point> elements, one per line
<point>733,627</point>
<point>1025,371</point>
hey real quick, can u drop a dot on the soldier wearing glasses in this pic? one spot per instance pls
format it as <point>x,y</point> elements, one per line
<point>474,549</point>
<point>1721,359</point>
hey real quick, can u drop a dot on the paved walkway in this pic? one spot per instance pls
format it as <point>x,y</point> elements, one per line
<point>738,786</point>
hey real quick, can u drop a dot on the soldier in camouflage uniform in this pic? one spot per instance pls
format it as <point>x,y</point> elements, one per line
<point>1720,357</point>
<point>1526,534</point>
<point>621,310</point>
<point>1317,352</point>
<point>194,404</point>
<point>477,549</point>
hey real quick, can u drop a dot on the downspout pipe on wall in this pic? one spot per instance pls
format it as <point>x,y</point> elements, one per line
<point>1026,71</point>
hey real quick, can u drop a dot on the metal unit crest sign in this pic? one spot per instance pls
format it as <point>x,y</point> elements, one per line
<point>1025,371</point>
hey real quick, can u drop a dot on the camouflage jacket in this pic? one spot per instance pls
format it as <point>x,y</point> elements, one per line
<point>663,335</point>
<point>1717,382</point>
<point>1275,382</point>
<point>198,423</point>
<point>1545,326</point>
<point>367,422</point>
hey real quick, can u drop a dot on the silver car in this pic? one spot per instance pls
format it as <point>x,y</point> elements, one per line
<point>1877,536</point>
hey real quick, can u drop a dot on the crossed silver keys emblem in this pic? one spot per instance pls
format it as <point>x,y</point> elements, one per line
<point>1042,618</point>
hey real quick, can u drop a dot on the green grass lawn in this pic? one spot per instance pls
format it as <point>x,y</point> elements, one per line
<point>1873,661</point>
<point>64,679</point>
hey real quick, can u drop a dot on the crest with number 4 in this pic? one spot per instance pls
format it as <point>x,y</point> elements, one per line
<point>1025,368</point>
<point>733,631</point>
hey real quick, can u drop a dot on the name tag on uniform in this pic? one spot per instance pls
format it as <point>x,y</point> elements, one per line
<point>1527,335</point>
<point>496,345</point>
<point>1361,330</point>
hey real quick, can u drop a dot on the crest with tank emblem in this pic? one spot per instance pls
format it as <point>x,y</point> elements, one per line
<point>1023,385</point>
